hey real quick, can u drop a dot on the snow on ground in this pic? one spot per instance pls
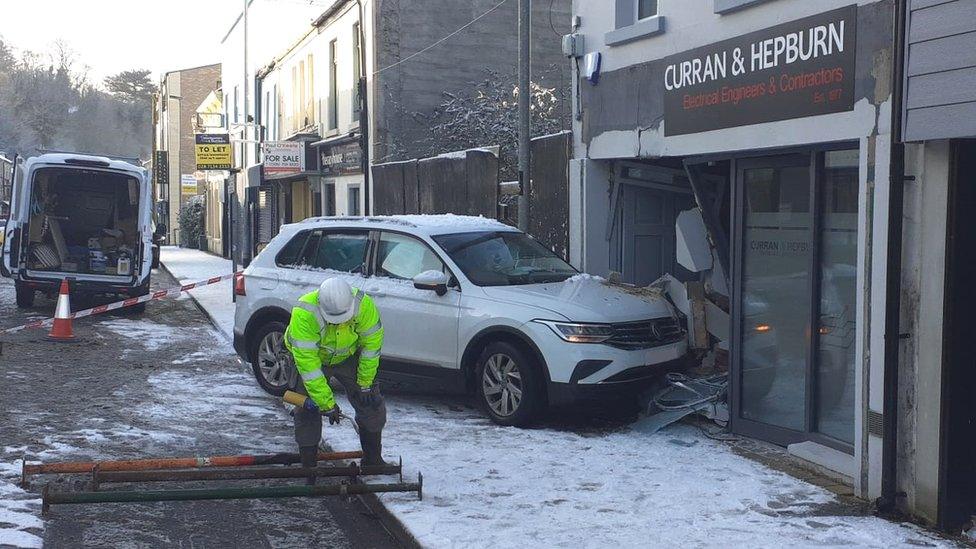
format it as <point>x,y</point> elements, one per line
<point>486,485</point>
<point>151,335</point>
<point>19,523</point>
<point>187,266</point>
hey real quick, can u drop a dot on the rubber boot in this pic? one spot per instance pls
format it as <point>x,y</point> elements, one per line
<point>372,444</point>
<point>309,456</point>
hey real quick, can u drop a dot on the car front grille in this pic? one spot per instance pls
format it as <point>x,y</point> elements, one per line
<point>647,333</point>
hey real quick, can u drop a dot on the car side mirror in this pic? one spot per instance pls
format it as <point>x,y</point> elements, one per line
<point>160,230</point>
<point>435,281</point>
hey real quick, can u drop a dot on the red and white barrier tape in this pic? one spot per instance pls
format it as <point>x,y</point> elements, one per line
<point>152,296</point>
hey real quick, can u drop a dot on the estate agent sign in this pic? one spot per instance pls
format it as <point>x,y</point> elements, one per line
<point>793,70</point>
<point>283,157</point>
<point>213,151</point>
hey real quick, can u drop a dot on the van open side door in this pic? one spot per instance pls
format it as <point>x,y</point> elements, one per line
<point>13,230</point>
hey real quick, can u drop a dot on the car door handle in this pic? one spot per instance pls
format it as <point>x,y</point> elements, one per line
<point>376,292</point>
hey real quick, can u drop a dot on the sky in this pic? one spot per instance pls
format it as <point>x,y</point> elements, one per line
<point>114,35</point>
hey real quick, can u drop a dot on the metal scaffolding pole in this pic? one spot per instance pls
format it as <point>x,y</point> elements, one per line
<point>258,492</point>
<point>524,100</point>
<point>68,467</point>
<point>99,477</point>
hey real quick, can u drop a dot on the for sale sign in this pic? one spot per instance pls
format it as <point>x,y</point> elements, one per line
<point>797,69</point>
<point>213,151</point>
<point>283,157</point>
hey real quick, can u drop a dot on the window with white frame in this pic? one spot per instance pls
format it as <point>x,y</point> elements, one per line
<point>646,8</point>
<point>634,20</point>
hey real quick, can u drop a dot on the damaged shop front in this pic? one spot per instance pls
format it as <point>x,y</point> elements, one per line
<point>753,164</point>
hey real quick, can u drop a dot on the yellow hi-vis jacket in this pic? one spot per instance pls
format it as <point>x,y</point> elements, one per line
<point>315,344</point>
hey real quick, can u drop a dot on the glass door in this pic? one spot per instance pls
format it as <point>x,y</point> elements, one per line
<point>774,293</point>
<point>794,288</point>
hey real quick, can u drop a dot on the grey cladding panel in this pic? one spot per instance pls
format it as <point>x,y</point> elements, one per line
<point>943,122</point>
<point>941,88</point>
<point>943,20</point>
<point>944,54</point>
<point>940,92</point>
<point>921,4</point>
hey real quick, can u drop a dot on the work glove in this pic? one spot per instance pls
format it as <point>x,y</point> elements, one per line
<point>369,396</point>
<point>334,414</point>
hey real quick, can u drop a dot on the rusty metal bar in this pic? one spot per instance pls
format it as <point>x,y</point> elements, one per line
<point>99,477</point>
<point>259,492</point>
<point>68,467</point>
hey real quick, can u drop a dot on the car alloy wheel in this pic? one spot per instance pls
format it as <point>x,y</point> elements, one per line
<point>274,359</point>
<point>502,384</point>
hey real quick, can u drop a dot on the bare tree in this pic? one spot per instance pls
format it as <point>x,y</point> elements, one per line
<point>487,115</point>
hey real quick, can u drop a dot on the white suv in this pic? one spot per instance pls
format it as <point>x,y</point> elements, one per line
<point>468,305</point>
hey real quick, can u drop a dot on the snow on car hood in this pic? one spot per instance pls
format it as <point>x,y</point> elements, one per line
<point>582,298</point>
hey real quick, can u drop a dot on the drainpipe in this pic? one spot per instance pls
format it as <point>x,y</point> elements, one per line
<point>892,338</point>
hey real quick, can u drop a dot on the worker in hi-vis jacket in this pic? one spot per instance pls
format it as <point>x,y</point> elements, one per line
<point>335,332</point>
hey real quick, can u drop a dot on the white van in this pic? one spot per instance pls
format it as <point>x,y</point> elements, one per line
<point>84,218</point>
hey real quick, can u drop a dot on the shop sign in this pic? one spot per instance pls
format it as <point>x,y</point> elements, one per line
<point>213,151</point>
<point>283,157</point>
<point>344,159</point>
<point>188,184</point>
<point>793,70</point>
<point>161,168</point>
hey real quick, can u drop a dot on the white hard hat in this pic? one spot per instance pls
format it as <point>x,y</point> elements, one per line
<point>336,301</point>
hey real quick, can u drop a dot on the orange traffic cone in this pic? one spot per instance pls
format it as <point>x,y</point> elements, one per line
<point>61,331</point>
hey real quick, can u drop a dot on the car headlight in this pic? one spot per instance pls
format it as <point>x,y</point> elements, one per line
<point>575,332</point>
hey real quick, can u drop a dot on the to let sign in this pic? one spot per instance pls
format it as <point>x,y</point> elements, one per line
<point>213,151</point>
<point>283,157</point>
<point>797,69</point>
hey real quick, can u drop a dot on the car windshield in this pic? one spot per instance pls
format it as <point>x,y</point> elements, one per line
<point>503,258</point>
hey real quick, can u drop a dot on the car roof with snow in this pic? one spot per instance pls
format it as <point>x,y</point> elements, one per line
<point>83,161</point>
<point>418,224</point>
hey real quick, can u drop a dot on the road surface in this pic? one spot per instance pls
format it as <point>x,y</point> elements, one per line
<point>163,383</point>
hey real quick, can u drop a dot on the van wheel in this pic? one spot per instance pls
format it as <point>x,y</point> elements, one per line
<point>271,362</point>
<point>25,296</point>
<point>509,384</point>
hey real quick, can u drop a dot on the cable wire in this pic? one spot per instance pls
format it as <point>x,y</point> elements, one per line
<point>551,24</point>
<point>442,40</point>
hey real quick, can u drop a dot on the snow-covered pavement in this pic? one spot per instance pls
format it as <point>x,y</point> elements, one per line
<point>486,485</point>
<point>188,265</point>
<point>18,510</point>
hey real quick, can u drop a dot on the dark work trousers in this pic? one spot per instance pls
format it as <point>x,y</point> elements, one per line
<point>308,423</point>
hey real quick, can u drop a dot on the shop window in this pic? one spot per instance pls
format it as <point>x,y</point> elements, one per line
<point>634,20</point>
<point>729,6</point>
<point>796,295</point>
<point>353,197</point>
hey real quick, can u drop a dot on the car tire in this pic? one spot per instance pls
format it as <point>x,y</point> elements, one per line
<point>270,361</point>
<point>25,296</point>
<point>509,384</point>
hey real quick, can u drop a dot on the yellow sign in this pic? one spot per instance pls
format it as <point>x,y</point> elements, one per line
<point>213,151</point>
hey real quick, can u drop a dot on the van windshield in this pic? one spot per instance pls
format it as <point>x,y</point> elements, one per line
<point>504,258</point>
